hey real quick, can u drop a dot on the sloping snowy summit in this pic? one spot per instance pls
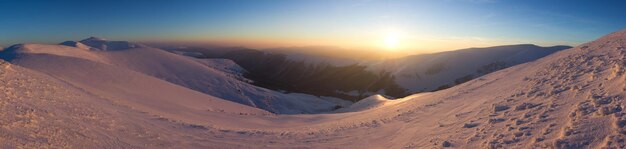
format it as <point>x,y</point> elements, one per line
<point>573,98</point>
<point>71,60</point>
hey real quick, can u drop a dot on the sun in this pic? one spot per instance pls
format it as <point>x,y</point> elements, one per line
<point>391,41</point>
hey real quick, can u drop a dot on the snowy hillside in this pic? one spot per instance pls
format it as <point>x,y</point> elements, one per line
<point>279,72</point>
<point>428,72</point>
<point>226,66</point>
<point>44,111</point>
<point>570,99</point>
<point>181,70</point>
<point>316,72</point>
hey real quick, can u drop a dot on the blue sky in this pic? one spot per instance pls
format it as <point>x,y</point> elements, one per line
<point>416,24</point>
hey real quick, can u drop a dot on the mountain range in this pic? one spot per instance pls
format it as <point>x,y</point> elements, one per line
<point>323,74</point>
<point>96,93</point>
<point>70,61</point>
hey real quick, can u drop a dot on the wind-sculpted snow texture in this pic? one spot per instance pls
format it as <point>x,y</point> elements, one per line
<point>571,99</point>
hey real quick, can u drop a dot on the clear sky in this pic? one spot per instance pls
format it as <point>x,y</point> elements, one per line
<point>408,25</point>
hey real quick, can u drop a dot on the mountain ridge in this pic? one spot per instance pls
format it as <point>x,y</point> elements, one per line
<point>181,70</point>
<point>393,77</point>
<point>573,98</point>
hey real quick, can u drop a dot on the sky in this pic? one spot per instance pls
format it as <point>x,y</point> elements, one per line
<point>426,25</point>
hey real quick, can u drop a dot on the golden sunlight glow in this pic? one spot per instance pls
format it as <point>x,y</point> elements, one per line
<point>391,41</point>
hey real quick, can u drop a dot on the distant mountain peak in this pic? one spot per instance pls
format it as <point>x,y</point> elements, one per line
<point>103,44</point>
<point>75,44</point>
<point>92,38</point>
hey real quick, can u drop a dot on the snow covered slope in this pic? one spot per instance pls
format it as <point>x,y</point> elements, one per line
<point>60,50</point>
<point>103,44</point>
<point>226,66</point>
<point>41,111</point>
<point>428,72</point>
<point>314,70</point>
<point>571,99</point>
<point>181,70</point>
<point>375,101</point>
